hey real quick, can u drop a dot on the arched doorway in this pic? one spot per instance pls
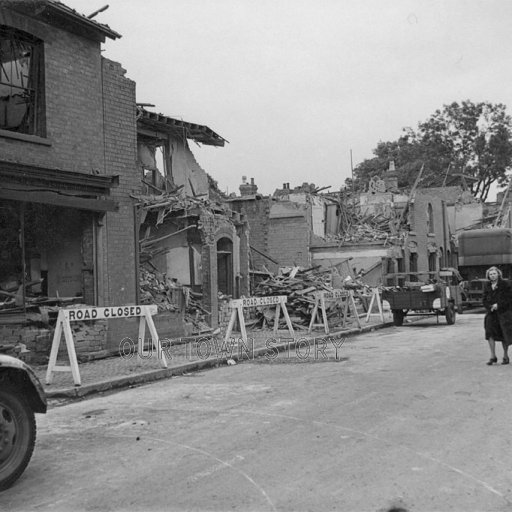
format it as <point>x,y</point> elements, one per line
<point>225,266</point>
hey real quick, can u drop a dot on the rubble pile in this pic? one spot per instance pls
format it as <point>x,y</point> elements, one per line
<point>169,295</point>
<point>300,285</point>
<point>156,289</point>
<point>199,213</point>
<point>195,313</point>
<point>35,309</point>
<point>357,223</point>
<point>170,202</point>
<point>369,227</point>
<point>356,226</point>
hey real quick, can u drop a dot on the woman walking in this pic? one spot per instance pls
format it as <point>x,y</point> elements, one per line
<point>497,300</point>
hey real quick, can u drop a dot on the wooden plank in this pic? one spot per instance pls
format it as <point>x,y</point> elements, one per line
<point>55,348</point>
<point>156,340</point>
<point>288,321</point>
<point>45,197</point>
<point>70,345</point>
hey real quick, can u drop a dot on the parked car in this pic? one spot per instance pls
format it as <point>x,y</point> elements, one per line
<point>21,395</point>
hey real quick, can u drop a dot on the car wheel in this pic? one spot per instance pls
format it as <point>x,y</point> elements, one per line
<point>398,317</point>
<point>17,435</point>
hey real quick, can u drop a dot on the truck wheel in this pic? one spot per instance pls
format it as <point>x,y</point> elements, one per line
<point>17,435</point>
<point>398,317</point>
<point>450,314</point>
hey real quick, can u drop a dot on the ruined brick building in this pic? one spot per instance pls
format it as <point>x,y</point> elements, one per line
<point>74,166</point>
<point>67,160</point>
<point>187,232</point>
<point>372,233</point>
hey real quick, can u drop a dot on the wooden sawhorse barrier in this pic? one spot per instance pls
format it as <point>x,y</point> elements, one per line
<point>321,298</point>
<point>237,309</point>
<point>105,313</point>
<point>375,299</point>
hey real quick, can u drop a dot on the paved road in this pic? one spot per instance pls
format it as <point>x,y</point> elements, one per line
<point>408,416</point>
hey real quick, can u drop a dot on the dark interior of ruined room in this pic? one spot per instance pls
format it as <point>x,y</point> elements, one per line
<point>42,255</point>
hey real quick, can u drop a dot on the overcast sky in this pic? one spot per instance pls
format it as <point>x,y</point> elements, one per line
<point>294,85</point>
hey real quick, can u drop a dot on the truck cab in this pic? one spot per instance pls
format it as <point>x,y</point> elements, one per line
<point>480,249</point>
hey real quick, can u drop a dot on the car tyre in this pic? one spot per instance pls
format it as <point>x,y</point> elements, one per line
<point>450,314</point>
<point>17,435</point>
<point>398,317</point>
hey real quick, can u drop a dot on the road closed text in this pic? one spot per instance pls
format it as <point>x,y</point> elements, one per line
<point>108,312</point>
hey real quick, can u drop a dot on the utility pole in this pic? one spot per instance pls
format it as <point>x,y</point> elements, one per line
<point>352,171</point>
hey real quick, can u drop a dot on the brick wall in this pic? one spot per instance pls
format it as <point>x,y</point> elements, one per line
<point>284,239</point>
<point>73,138</point>
<point>74,133</point>
<point>257,215</point>
<point>89,337</point>
<point>420,228</point>
<point>118,233</point>
<point>288,241</point>
<point>35,342</point>
<point>90,128</point>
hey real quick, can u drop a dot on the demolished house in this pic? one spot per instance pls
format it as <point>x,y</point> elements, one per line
<point>380,231</point>
<point>191,242</point>
<point>68,152</point>
<point>102,202</point>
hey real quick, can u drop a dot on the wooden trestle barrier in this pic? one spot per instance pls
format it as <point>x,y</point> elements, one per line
<point>375,300</point>
<point>104,313</point>
<point>237,309</point>
<point>345,297</point>
<point>347,302</point>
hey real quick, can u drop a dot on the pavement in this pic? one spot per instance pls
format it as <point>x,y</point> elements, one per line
<point>128,369</point>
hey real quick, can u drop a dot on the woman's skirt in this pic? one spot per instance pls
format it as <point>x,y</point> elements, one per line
<point>499,326</point>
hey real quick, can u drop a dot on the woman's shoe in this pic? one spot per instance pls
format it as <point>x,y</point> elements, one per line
<point>505,360</point>
<point>492,361</point>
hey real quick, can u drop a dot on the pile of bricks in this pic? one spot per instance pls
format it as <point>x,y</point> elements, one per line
<point>156,289</point>
<point>299,285</point>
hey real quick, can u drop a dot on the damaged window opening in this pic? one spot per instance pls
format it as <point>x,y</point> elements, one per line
<point>432,261</point>
<point>21,84</point>
<point>152,160</point>
<point>45,256</point>
<point>413,265</point>
<point>225,266</point>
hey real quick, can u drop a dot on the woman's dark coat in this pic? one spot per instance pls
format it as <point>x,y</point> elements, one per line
<point>498,324</point>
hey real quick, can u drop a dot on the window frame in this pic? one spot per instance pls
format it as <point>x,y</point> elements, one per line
<point>33,128</point>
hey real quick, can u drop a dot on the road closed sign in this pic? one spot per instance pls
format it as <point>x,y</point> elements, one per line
<point>77,314</point>
<point>252,302</point>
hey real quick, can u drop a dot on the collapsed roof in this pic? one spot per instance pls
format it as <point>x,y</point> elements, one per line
<point>179,128</point>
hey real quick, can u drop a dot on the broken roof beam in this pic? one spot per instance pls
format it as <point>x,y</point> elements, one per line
<point>196,132</point>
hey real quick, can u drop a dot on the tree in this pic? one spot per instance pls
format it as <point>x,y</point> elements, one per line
<point>470,139</point>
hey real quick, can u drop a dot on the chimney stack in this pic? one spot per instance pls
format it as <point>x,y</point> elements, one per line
<point>248,189</point>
